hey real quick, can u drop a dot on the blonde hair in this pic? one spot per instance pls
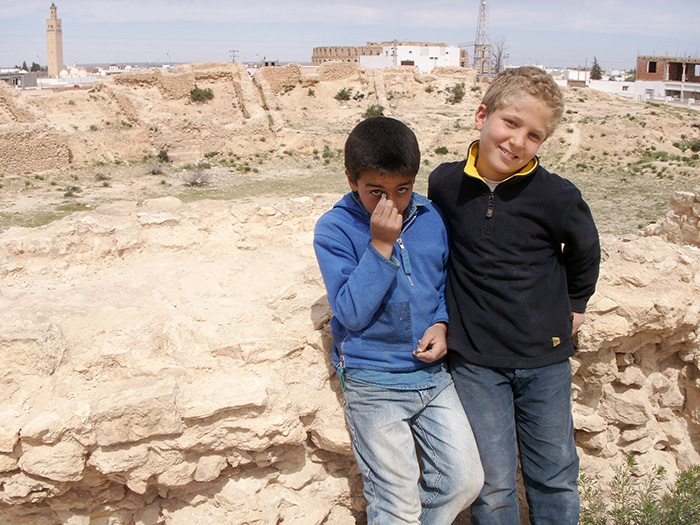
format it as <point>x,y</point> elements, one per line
<point>525,80</point>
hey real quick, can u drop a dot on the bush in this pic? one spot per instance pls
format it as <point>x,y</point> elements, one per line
<point>635,498</point>
<point>375,110</point>
<point>343,94</point>
<point>442,150</point>
<point>201,95</point>
<point>692,144</point>
<point>163,155</point>
<point>457,94</point>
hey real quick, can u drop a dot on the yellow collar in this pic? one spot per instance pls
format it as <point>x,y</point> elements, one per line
<point>470,168</point>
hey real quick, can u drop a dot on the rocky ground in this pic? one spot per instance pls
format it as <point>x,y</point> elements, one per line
<point>165,345</point>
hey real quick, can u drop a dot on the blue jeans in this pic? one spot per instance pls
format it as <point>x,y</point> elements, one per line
<point>527,410</point>
<point>390,430</point>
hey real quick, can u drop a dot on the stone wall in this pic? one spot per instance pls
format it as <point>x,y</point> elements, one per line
<point>277,78</point>
<point>330,71</point>
<point>681,223</point>
<point>32,148</point>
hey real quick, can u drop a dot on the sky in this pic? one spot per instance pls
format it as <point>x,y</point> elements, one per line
<point>552,33</point>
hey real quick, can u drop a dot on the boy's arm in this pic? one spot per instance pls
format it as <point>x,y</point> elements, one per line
<point>581,258</point>
<point>355,287</point>
<point>578,320</point>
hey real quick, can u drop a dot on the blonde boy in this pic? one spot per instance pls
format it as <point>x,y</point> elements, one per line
<point>524,258</point>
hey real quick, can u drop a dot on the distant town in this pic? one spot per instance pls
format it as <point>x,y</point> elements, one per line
<point>658,78</point>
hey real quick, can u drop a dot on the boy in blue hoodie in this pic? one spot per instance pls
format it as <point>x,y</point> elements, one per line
<point>383,251</point>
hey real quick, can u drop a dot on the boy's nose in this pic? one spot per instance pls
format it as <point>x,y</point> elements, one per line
<point>518,139</point>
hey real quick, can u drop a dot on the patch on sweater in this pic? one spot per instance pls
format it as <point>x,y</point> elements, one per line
<point>555,341</point>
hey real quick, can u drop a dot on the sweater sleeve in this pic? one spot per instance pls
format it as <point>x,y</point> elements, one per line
<point>581,254</point>
<point>356,288</point>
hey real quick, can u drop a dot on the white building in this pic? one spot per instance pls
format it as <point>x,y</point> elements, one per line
<point>425,57</point>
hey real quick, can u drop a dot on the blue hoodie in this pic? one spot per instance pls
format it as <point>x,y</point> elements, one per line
<point>382,307</point>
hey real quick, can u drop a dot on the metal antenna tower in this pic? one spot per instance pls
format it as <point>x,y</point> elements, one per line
<point>482,44</point>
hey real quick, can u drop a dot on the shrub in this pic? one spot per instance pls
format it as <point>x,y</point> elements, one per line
<point>163,155</point>
<point>442,150</point>
<point>692,144</point>
<point>197,178</point>
<point>343,94</point>
<point>636,499</point>
<point>457,93</point>
<point>375,110</point>
<point>201,95</point>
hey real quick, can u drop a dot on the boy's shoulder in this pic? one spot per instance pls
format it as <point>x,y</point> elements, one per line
<point>449,168</point>
<point>553,181</point>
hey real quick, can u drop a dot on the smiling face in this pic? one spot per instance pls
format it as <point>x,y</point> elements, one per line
<point>372,184</point>
<point>510,136</point>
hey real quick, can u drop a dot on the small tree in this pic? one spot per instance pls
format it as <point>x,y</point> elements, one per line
<point>499,52</point>
<point>596,70</point>
<point>24,66</point>
<point>35,67</point>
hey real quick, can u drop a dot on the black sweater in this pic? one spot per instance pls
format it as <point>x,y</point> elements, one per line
<point>522,258</point>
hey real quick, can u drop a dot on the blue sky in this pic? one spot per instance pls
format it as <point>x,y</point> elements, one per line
<point>547,32</point>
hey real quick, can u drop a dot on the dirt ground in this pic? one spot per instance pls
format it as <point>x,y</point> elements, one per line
<point>130,142</point>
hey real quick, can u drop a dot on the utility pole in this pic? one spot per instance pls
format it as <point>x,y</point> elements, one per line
<point>482,45</point>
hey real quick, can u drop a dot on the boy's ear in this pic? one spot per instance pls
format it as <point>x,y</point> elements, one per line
<point>351,181</point>
<point>480,117</point>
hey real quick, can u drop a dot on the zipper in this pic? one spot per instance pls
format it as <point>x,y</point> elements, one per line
<point>489,212</point>
<point>405,260</point>
<point>403,252</point>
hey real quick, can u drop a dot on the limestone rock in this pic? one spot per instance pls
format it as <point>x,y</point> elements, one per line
<point>158,369</point>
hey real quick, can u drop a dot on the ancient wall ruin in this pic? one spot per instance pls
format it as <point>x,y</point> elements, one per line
<point>680,225</point>
<point>30,148</point>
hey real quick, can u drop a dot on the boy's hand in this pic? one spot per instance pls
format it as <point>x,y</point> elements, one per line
<point>578,320</point>
<point>433,344</point>
<point>385,226</point>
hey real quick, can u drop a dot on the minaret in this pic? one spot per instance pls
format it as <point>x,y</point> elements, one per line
<point>54,43</point>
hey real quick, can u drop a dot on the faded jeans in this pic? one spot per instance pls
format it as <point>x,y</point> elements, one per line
<point>391,430</point>
<point>527,410</point>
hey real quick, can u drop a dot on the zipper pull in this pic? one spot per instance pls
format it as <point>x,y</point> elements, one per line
<point>405,260</point>
<point>341,372</point>
<point>489,209</point>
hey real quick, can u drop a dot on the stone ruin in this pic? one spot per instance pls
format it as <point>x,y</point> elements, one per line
<point>168,363</point>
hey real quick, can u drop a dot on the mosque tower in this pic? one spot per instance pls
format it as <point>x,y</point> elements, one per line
<point>54,43</point>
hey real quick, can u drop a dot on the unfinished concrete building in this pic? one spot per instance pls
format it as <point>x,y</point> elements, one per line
<point>680,76</point>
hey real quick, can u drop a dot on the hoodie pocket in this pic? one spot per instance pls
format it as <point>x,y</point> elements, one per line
<point>390,330</point>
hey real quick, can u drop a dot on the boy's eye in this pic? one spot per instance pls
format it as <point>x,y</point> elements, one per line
<point>376,193</point>
<point>534,136</point>
<point>402,190</point>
